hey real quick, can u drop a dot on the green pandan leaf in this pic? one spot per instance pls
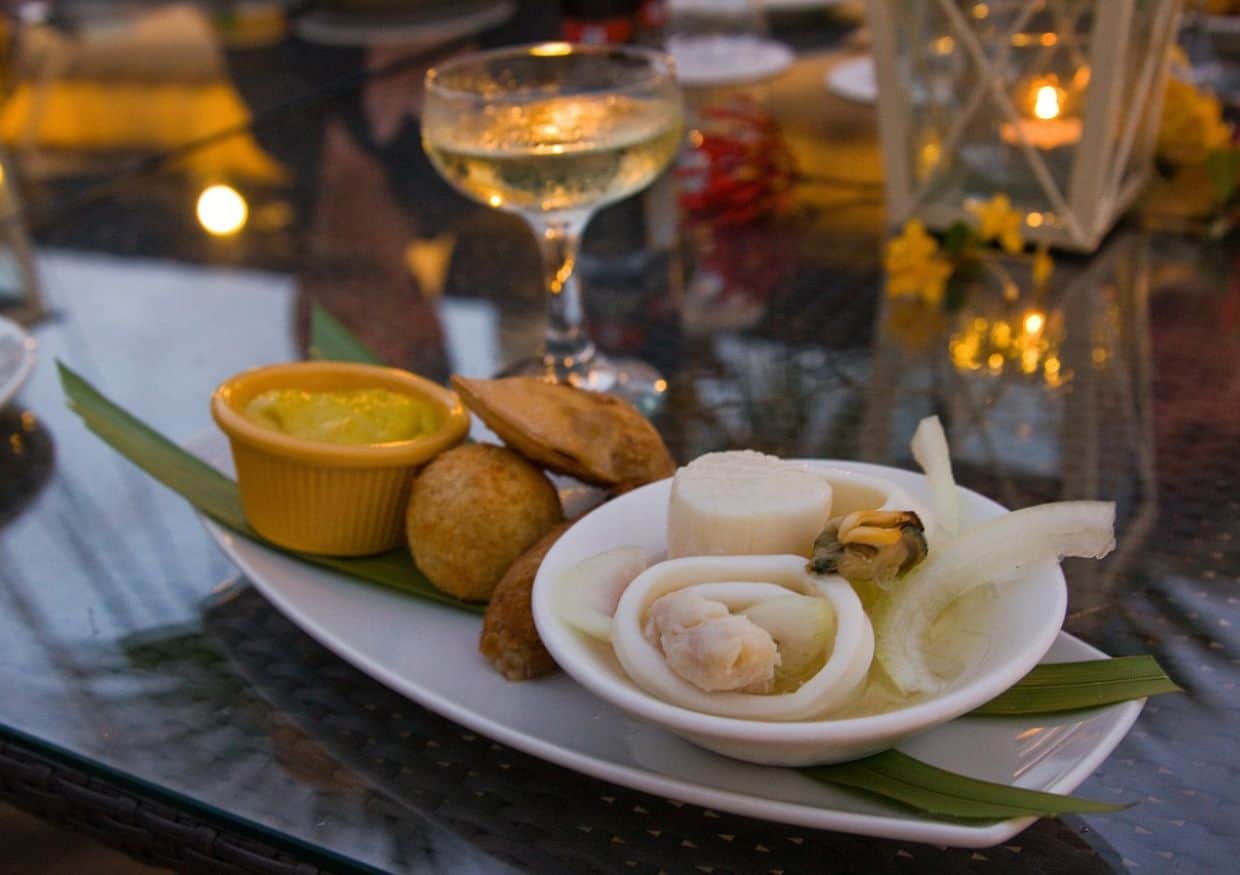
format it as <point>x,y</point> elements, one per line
<point>1071,686</point>
<point>185,474</point>
<point>929,789</point>
<point>1048,689</point>
<point>330,340</point>
<point>217,497</point>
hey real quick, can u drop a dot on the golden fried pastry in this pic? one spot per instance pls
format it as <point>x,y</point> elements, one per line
<point>596,438</point>
<point>509,640</point>
<point>472,512</point>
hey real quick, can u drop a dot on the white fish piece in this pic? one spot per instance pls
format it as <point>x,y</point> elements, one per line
<point>738,583</point>
<point>716,650</point>
<point>708,646</point>
<point>589,591</point>
<point>678,612</point>
<point>745,503</point>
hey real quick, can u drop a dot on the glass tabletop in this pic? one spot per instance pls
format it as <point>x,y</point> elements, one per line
<point>131,648</point>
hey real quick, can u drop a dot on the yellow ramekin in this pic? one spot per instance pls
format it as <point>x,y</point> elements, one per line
<point>324,498</point>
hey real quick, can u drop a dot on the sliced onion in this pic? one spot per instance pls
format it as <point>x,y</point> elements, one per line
<point>932,454</point>
<point>989,553</point>
<point>803,628</point>
<point>590,590</point>
<point>740,582</point>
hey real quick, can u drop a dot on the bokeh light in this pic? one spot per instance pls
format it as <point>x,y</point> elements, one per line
<point>222,210</point>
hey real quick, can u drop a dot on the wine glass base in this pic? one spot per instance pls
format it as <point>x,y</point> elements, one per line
<point>631,379</point>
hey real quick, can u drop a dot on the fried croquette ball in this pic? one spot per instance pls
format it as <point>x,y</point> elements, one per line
<point>472,512</point>
<point>509,640</point>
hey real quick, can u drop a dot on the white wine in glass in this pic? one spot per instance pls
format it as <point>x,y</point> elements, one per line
<point>552,132</point>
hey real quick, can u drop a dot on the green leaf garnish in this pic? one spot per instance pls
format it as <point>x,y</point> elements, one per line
<point>900,777</point>
<point>330,340</point>
<point>1048,689</point>
<point>1052,688</point>
<point>1070,686</point>
<point>185,474</point>
<point>217,497</point>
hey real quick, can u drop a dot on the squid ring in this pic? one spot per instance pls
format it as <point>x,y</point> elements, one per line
<point>740,581</point>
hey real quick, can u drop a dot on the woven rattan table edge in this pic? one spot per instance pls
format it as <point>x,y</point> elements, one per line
<point>150,824</point>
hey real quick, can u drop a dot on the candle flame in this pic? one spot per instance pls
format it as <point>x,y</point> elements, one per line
<point>1046,103</point>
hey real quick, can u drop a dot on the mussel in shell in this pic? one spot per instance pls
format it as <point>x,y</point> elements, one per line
<point>875,546</point>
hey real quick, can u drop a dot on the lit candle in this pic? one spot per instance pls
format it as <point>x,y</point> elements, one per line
<point>1047,129</point>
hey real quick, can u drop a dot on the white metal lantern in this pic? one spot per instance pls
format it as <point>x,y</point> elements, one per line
<point>1054,102</point>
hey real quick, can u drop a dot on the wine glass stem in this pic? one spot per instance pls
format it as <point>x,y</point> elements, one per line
<point>569,352</point>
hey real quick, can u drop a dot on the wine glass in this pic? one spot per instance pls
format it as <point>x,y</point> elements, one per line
<point>551,132</point>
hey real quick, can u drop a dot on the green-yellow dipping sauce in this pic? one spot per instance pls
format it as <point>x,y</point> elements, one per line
<point>359,416</point>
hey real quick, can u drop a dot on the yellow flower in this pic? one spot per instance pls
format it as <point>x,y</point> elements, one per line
<point>998,221</point>
<point>912,247</point>
<point>1192,124</point>
<point>1043,267</point>
<point>914,265</point>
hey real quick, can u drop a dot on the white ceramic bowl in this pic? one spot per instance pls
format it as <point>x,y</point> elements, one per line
<point>1025,616</point>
